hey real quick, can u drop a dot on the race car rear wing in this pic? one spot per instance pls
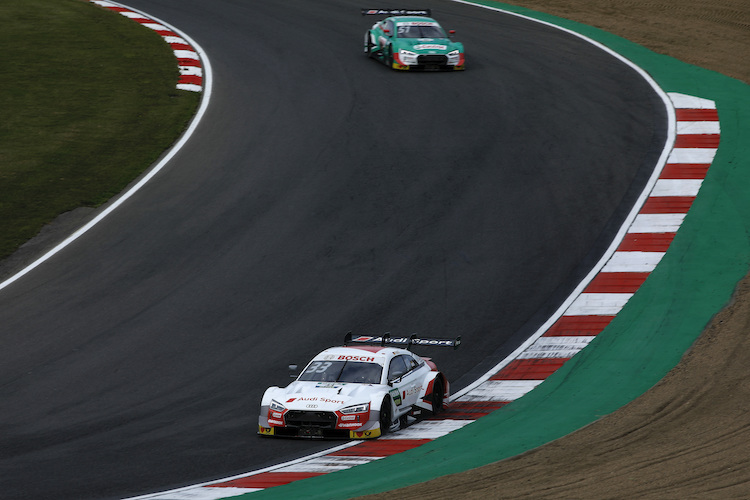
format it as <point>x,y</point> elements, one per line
<point>386,339</point>
<point>396,12</point>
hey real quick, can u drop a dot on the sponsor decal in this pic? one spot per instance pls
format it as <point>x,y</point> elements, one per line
<point>411,391</point>
<point>345,425</point>
<point>396,395</point>
<point>363,338</point>
<point>336,401</point>
<point>327,385</point>
<point>391,340</point>
<point>438,342</point>
<point>417,23</point>
<point>266,431</point>
<point>356,358</point>
<point>395,12</point>
<point>430,46</point>
<point>410,340</point>
<point>315,398</point>
<point>364,434</point>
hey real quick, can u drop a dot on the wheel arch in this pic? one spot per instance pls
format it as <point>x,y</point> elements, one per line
<point>433,380</point>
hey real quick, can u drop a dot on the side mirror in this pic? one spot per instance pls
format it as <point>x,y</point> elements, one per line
<point>293,371</point>
<point>451,32</point>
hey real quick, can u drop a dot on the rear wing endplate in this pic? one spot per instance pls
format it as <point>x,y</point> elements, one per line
<point>386,340</point>
<point>396,12</point>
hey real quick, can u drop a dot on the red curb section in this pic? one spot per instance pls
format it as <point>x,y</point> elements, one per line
<point>380,448</point>
<point>571,326</point>
<point>646,242</point>
<point>267,480</point>
<point>529,369</point>
<point>188,60</point>
<point>616,283</point>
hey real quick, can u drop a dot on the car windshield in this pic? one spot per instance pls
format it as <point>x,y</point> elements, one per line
<point>342,371</point>
<point>420,30</point>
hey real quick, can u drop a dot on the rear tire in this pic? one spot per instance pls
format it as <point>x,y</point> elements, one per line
<point>438,394</point>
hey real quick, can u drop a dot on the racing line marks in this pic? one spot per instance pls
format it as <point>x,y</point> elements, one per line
<point>188,60</point>
<point>640,251</point>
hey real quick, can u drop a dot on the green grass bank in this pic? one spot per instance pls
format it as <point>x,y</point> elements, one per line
<point>88,102</point>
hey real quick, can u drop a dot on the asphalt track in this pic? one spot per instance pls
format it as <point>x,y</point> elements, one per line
<point>322,193</point>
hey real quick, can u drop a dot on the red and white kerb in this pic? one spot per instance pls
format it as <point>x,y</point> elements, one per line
<point>642,248</point>
<point>188,60</point>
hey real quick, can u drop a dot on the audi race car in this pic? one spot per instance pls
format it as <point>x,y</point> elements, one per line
<point>410,40</point>
<point>365,389</point>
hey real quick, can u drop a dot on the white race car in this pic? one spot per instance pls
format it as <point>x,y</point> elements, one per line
<point>357,391</point>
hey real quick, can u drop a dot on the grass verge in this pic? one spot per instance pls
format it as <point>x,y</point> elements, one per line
<point>88,102</point>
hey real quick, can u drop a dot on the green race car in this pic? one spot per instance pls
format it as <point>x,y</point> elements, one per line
<point>410,40</point>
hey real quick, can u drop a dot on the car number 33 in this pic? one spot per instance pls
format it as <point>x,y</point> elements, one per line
<point>363,389</point>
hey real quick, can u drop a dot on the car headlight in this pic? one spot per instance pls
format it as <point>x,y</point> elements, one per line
<point>276,406</point>
<point>362,408</point>
<point>453,52</point>
<point>407,53</point>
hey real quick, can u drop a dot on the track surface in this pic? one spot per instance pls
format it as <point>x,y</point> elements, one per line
<point>324,193</point>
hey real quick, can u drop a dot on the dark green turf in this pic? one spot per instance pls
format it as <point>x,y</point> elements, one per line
<point>88,102</point>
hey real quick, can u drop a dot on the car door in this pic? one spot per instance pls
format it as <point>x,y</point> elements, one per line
<point>405,376</point>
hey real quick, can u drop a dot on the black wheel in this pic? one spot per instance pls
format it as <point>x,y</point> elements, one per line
<point>438,393</point>
<point>389,57</point>
<point>385,417</point>
<point>369,46</point>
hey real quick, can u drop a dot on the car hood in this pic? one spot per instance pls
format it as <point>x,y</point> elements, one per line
<point>427,45</point>
<point>329,396</point>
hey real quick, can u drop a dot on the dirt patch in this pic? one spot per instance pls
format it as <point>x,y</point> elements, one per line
<point>711,34</point>
<point>688,437</point>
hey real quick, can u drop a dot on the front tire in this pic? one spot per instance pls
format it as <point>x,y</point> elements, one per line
<point>386,419</point>
<point>369,45</point>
